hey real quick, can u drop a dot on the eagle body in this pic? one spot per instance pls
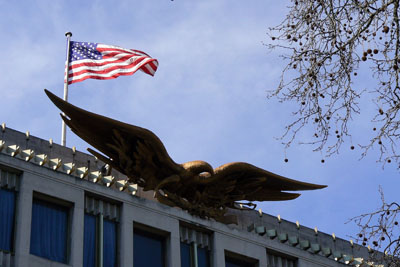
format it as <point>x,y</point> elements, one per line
<point>193,186</point>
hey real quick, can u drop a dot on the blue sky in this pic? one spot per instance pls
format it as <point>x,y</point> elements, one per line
<point>207,100</point>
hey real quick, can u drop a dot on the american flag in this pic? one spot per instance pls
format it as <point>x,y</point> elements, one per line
<point>103,62</point>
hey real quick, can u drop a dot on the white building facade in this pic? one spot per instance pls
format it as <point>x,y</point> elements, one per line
<point>58,209</point>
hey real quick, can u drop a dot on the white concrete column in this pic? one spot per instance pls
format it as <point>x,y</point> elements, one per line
<point>174,245</point>
<point>77,229</point>
<point>217,251</point>
<point>126,235</point>
<point>23,223</point>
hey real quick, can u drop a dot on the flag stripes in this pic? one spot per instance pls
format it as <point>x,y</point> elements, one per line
<point>103,62</point>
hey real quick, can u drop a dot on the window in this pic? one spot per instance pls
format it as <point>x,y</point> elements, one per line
<point>235,260</point>
<point>186,255</point>
<point>9,184</point>
<point>192,253</point>
<point>100,233</point>
<point>7,211</point>
<point>229,262</point>
<point>194,247</point>
<point>276,259</point>
<point>49,230</point>
<point>148,249</point>
<point>109,243</point>
<point>203,257</point>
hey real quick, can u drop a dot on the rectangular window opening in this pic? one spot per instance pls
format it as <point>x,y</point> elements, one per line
<point>50,228</point>
<point>278,259</point>
<point>100,240</point>
<point>9,184</point>
<point>195,246</point>
<point>149,247</point>
<point>7,219</point>
<point>236,260</point>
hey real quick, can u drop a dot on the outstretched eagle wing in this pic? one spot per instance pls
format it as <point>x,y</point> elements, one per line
<point>242,181</point>
<point>134,151</point>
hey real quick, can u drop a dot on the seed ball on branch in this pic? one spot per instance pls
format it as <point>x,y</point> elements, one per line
<point>352,147</point>
<point>385,29</point>
<point>369,51</point>
<point>376,51</point>
<point>286,160</point>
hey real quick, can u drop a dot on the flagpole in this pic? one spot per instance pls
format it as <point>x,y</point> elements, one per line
<point>63,126</point>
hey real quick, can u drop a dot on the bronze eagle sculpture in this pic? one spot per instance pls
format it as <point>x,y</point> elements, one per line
<point>193,186</point>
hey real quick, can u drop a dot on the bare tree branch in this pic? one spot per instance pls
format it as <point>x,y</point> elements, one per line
<point>326,43</point>
<point>380,230</point>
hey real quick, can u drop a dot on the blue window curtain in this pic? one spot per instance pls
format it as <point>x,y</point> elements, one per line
<point>148,250</point>
<point>7,210</point>
<point>49,229</point>
<point>186,260</point>
<point>109,243</point>
<point>89,241</point>
<point>203,257</point>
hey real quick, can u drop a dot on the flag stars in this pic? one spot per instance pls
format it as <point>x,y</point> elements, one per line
<point>84,50</point>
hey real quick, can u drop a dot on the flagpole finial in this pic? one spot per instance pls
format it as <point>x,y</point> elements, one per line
<point>68,34</point>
